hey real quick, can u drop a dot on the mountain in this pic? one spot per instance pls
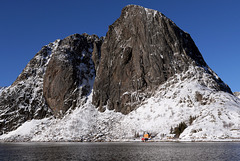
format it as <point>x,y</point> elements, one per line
<point>56,80</point>
<point>146,75</point>
<point>141,51</point>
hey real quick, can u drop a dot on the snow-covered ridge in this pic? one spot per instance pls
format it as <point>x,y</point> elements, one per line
<point>217,116</point>
<point>23,100</point>
<point>1,89</point>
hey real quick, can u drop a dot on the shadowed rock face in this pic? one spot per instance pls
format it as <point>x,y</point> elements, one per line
<point>142,49</point>
<point>70,72</point>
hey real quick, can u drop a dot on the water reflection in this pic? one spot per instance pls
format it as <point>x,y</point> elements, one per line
<point>119,151</point>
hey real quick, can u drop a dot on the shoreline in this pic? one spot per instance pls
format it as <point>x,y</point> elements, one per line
<point>129,141</point>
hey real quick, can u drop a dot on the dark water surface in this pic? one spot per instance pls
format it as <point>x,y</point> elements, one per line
<point>136,151</point>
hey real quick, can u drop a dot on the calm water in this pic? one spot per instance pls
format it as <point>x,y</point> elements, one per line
<point>120,151</point>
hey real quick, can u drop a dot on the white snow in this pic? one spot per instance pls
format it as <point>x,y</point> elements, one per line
<point>217,116</point>
<point>152,12</point>
<point>1,89</point>
<point>26,131</point>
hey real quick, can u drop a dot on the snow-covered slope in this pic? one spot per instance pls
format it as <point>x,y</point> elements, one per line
<point>23,100</point>
<point>1,89</point>
<point>217,116</point>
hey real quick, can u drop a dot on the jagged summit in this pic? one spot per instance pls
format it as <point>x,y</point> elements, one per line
<point>148,10</point>
<point>141,51</point>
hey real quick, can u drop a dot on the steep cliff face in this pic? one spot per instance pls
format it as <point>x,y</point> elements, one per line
<point>142,50</point>
<point>70,73</point>
<point>57,79</point>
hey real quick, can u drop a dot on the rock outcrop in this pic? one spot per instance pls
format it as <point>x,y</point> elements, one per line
<point>237,94</point>
<point>70,72</point>
<point>142,49</point>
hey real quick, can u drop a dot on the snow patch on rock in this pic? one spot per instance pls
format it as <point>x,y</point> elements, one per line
<point>237,94</point>
<point>23,100</point>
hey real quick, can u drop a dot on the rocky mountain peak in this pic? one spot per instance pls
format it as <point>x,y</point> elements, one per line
<point>70,72</point>
<point>57,79</point>
<point>142,50</point>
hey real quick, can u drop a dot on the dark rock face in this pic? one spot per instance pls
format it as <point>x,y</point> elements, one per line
<point>70,72</point>
<point>142,49</point>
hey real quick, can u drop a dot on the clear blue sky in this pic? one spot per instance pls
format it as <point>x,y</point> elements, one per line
<point>27,25</point>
